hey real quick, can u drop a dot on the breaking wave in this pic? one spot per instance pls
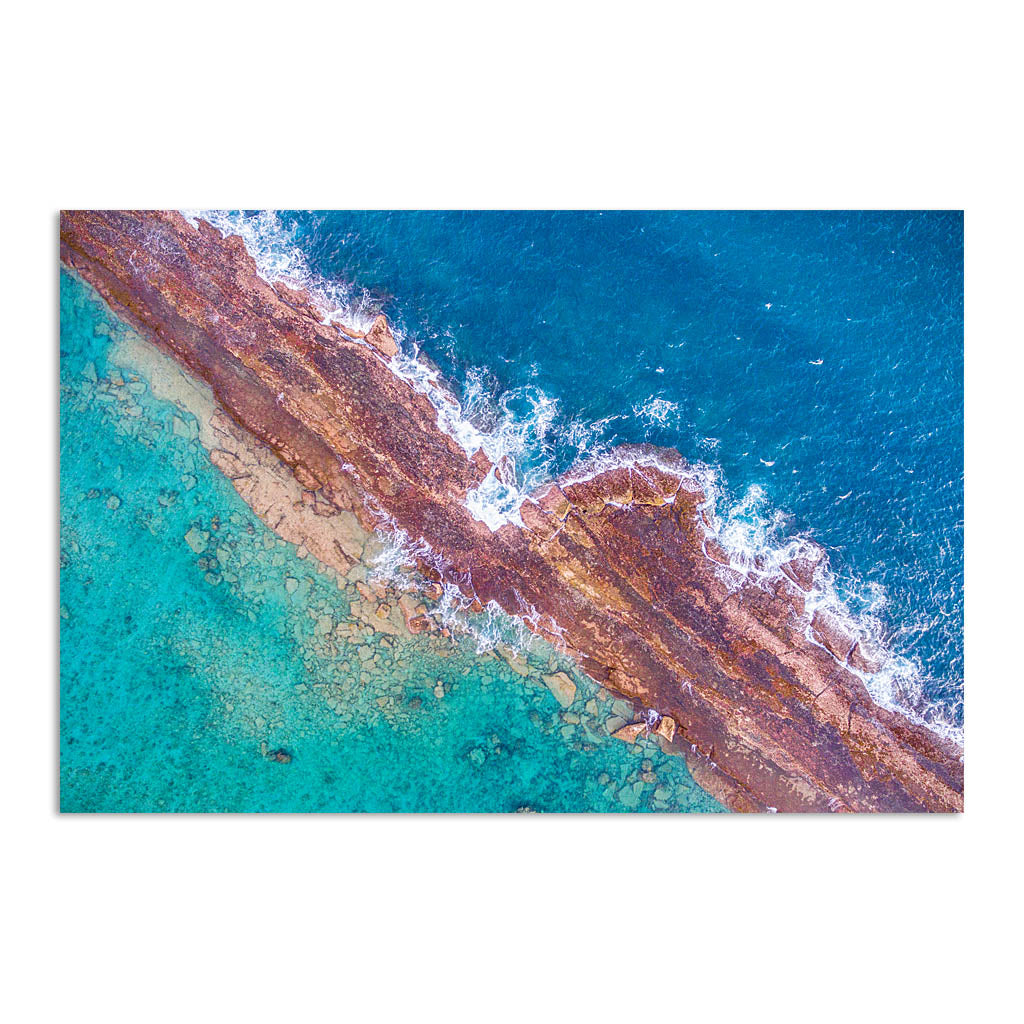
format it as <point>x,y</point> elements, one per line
<point>394,562</point>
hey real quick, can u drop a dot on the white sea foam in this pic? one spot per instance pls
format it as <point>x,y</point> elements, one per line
<point>516,433</point>
<point>396,553</point>
<point>273,248</point>
<point>394,563</point>
<point>657,412</point>
<point>512,430</point>
<point>754,538</point>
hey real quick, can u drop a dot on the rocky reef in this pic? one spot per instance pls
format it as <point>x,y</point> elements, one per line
<point>617,568</point>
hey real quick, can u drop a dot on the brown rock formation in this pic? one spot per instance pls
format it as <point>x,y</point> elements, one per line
<point>629,733</point>
<point>615,567</point>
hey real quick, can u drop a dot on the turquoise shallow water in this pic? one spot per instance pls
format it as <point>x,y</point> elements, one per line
<point>183,665</point>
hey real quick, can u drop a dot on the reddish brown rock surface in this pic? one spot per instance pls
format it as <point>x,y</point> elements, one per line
<point>614,566</point>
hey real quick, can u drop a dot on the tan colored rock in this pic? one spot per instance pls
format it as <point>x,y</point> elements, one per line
<point>801,570</point>
<point>715,551</point>
<point>562,687</point>
<point>516,662</point>
<point>832,634</point>
<point>552,500</point>
<point>667,728</point>
<point>629,733</point>
<point>413,614</point>
<point>537,521</point>
<point>381,338</point>
<point>229,464</point>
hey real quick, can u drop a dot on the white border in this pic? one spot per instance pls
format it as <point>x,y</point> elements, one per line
<point>531,105</point>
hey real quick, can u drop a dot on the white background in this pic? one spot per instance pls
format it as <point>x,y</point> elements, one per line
<point>524,105</point>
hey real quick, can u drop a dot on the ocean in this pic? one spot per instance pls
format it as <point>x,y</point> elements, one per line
<point>810,362</point>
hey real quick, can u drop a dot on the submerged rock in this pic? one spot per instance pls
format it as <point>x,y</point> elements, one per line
<point>197,540</point>
<point>562,687</point>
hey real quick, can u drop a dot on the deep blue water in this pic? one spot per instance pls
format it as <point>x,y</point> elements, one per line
<point>829,344</point>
